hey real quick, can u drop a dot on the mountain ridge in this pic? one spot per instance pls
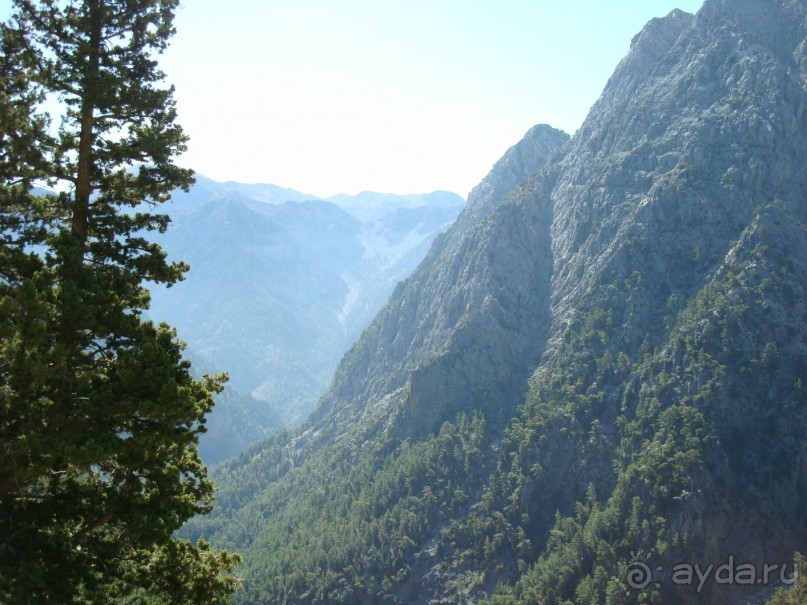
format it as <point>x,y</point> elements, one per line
<point>444,259</point>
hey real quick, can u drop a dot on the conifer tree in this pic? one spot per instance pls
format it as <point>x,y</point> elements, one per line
<point>99,414</point>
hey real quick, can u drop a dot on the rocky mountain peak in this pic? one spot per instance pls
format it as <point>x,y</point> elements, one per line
<point>518,163</point>
<point>655,40</point>
<point>450,311</point>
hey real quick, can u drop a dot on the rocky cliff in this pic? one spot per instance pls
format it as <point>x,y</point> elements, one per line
<point>599,369</point>
<point>457,330</point>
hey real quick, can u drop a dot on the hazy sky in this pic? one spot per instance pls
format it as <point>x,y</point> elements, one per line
<point>403,96</point>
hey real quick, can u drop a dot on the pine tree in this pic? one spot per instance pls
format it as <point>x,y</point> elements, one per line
<point>99,414</point>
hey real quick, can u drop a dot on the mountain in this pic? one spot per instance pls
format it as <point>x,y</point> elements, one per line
<point>592,388</point>
<point>280,284</point>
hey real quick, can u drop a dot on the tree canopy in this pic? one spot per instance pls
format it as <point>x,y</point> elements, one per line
<point>99,413</point>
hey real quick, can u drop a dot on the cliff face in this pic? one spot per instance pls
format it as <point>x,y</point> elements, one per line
<point>673,373</point>
<point>460,331</point>
<point>701,122</point>
<point>601,364</point>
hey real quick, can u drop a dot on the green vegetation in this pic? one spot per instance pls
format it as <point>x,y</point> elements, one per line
<point>664,421</point>
<point>345,525</point>
<point>797,594</point>
<point>627,448</point>
<point>99,415</point>
<point>706,417</point>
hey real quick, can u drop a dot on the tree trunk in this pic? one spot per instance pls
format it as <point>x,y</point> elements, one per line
<point>84,188</point>
<point>81,209</point>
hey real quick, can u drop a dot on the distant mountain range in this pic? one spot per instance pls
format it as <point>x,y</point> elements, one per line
<point>281,283</point>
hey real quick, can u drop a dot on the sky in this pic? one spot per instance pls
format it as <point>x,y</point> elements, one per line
<point>395,96</point>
